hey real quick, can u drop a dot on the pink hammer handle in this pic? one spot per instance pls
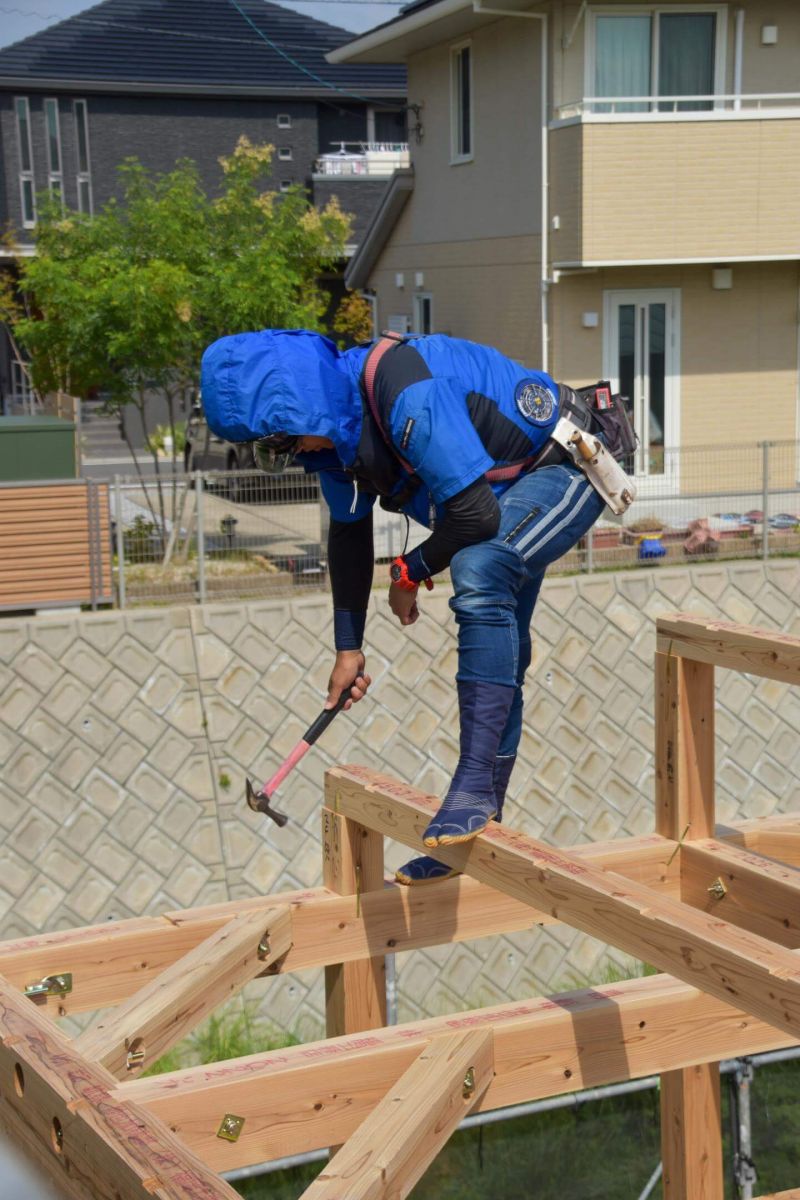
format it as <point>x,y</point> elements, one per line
<point>286,766</point>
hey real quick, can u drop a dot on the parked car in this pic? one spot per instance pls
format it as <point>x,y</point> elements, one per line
<point>204,451</point>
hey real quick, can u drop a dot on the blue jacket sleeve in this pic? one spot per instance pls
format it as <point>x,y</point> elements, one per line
<point>431,428</point>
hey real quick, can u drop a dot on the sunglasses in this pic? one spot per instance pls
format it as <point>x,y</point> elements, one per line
<point>275,452</point>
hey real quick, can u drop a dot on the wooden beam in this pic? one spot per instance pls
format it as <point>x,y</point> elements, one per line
<point>765,652</point>
<point>60,1111</point>
<point>352,863</point>
<point>110,961</point>
<point>783,846</point>
<point>155,1018</point>
<point>744,888</point>
<point>691,1134</point>
<point>398,1141</point>
<point>304,1097</point>
<point>792,1194</point>
<point>729,963</point>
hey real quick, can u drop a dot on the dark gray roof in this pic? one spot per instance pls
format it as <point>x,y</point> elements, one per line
<point>195,44</point>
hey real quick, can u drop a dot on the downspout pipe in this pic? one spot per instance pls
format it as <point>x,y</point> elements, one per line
<point>544,283</point>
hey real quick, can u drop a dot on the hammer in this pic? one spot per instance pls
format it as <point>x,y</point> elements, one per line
<point>260,801</point>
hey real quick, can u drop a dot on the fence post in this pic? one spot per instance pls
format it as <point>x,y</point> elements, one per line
<point>590,549</point>
<point>765,500</point>
<point>201,537</point>
<point>743,1157</point>
<point>120,542</point>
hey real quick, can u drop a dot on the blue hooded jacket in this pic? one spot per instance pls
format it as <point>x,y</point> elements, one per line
<point>451,425</point>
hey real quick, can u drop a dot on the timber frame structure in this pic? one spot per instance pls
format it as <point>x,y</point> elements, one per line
<point>716,910</point>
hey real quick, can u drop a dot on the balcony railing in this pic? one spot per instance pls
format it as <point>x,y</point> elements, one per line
<point>763,104</point>
<point>363,159</point>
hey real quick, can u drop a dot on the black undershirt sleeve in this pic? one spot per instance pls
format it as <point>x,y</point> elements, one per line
<point>351,561</point>
<point>470,516</point>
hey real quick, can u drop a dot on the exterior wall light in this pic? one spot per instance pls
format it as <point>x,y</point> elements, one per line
<point>769,35</point>
<point>722,279</point>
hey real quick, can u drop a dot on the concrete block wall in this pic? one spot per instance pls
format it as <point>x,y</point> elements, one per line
<point>125,739</point>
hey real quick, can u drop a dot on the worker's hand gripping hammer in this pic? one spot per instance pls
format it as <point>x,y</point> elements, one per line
<point>260,801</point>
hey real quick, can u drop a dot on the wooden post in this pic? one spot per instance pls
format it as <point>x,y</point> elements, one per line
<point>355,992</point>
<point>691,1135</point>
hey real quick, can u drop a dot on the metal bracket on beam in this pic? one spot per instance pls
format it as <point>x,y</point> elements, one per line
<point>51,985</point>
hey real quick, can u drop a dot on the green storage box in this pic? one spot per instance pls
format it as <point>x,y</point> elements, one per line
<point>33,448</point>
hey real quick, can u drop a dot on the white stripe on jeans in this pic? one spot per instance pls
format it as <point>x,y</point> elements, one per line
<point>540,526</point>
<point>564,521</point>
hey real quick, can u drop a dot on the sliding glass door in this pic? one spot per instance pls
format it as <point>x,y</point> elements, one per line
<point>641,354</point>
<point>655,53</point>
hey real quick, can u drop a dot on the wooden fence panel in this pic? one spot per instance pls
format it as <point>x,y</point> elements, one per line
<point>55,544</point>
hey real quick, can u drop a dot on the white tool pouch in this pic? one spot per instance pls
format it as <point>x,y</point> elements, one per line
<point>603,472</point>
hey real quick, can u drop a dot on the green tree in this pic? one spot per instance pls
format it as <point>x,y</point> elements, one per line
<point>125,301</point>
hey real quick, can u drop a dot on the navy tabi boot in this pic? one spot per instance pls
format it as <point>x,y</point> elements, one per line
<point>429,870</point>
<point>470,803</point>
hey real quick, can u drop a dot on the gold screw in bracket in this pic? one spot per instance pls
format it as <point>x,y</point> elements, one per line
<point>469,1084</point>
<point>263,947</point>
<point>230,1128</point>
<point>134,1059</point>
<point>717,889</point>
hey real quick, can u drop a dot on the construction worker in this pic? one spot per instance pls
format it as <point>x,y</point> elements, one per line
<point>458,437</point>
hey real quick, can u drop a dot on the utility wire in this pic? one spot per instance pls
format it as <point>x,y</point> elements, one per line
<point>299,66</point>
<point>196,37</point>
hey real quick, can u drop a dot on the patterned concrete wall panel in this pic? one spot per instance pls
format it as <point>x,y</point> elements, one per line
<point>125,740</point>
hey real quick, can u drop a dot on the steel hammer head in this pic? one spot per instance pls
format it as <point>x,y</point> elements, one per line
<point>259,802</point>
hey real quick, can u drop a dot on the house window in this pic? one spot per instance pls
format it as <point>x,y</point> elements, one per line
<point>284,121</point>
<point>27,188</point>
<point>423,312</point>
<point>285,185</point>
<point>84,173</point>
<point>285,153</point>
<point>461,103</point>
<point>657,52</point>
<point>53,134</point>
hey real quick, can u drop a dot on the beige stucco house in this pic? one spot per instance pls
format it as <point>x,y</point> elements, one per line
<point>606,190</point>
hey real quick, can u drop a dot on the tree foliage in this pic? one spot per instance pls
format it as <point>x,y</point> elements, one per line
<point>125,302</point>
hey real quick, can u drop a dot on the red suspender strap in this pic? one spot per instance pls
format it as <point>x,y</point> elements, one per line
<point>370,371</point>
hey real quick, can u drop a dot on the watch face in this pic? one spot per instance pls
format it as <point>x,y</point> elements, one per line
<point>395,572</point>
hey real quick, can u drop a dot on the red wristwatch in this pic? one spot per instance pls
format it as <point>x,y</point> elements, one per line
<point>398,572</point>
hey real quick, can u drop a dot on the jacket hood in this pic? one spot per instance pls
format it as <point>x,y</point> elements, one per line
<point>281,381</point>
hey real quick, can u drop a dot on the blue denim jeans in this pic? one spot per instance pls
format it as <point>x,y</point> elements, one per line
<point>496,583</point>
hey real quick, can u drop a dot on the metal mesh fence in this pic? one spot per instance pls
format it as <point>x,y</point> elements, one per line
<point>243,534</point>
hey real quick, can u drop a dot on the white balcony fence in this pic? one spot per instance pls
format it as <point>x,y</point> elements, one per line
<point>364,159</point>
<point>752,105</point>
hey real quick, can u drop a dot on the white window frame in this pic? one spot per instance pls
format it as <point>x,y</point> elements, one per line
<point>419,299</point>
<point>669,481</point>
<point>285,184</point>
<point>25,175</point>
<point>55,177</point>
<point>284,120</point>
<point>632,10</point>
<point>83,176</point>
<point>285,153</point>
<point>457,155</point>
